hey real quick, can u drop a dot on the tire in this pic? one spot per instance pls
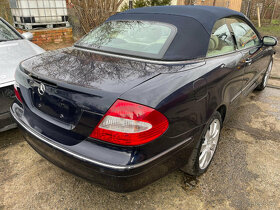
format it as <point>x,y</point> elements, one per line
<point>195,166</point>
<point>265,78</point>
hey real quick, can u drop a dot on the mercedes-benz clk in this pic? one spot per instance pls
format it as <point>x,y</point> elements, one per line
<point>143,94</point>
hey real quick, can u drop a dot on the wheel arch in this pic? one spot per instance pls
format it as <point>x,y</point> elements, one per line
<point>222,109</point>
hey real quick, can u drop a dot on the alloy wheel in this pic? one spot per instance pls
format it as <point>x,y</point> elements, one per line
<point>267,74</point>
<point>209,145</point>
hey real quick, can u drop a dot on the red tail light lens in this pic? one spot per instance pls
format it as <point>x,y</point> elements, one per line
<point>17,93</point>
<point>130,124</point>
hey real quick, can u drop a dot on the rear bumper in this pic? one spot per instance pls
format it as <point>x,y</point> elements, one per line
<point>120,178</point>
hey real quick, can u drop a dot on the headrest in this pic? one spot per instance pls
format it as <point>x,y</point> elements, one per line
<point>213,43</point>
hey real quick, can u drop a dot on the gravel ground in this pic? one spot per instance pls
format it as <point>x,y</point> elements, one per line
<point>275,74</point>
<point>276,65</point>
<point>244,173</point>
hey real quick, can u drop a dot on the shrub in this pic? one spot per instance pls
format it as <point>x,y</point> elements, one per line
<point>92,13</point>
<point>146,3</point>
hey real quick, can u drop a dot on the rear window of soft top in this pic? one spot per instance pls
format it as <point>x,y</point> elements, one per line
<point>136,38</point>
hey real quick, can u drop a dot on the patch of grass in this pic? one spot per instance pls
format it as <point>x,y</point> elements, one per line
<point>275,22</point>
<point>270,30</point>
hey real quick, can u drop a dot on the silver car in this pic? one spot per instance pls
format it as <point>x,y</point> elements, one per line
<point>14,48</point>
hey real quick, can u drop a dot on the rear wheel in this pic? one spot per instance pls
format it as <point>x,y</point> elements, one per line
<point>265,78</point>
<point>206,147</point>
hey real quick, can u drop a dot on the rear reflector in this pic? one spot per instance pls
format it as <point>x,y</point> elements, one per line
<point>17,93</point>
<point>130,124</point>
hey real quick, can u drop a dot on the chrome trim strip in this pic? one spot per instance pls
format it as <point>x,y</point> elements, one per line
<point>118,167</point>
<point>235,97</point>
<point>142,59</point>
<point>253,80</point>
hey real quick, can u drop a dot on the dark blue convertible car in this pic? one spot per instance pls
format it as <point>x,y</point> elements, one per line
<point>145,93</point>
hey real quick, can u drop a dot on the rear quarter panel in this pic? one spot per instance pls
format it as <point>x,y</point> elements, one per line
<point>189,98</point>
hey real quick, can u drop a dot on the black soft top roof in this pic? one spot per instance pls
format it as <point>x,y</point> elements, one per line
<point>194,25</point>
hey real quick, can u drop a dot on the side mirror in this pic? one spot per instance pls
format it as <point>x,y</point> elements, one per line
<point>269,41</point>
<point>27,35</point>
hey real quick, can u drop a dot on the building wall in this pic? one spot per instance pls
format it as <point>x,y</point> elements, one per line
<point>235,5</point>
<point>231,4</point>
<point>51,36</point>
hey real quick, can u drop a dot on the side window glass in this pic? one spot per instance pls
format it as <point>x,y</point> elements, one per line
<point>244,34</point>
<point>221,41</point>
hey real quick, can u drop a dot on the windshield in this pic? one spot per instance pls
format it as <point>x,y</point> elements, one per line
<point>137,38</point>
<point>6,33</point>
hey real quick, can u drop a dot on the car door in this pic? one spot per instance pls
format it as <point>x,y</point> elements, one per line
<point>250,45</point>
<point>222,51</point>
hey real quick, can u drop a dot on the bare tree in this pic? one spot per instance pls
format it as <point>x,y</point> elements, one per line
<point>92,13</point>
<point>189,2</point>
<point>5,11</point>
<point>273,12</point>
<point>267,5</point>
<point>214,3</point>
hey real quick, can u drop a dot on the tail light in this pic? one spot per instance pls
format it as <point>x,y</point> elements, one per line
<point>130,124</point>
<point>17,93</point>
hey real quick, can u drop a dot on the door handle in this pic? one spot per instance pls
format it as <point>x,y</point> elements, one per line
<point>248,61</point>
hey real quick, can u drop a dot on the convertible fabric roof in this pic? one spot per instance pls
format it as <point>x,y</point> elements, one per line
<point>194,25</point>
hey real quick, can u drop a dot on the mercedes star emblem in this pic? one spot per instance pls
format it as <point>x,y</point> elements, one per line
<point>41,89</point>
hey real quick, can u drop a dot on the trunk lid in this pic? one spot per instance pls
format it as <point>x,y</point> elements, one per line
<point>85,69</point>
<point>68,91</point>
<point>73,80</point>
